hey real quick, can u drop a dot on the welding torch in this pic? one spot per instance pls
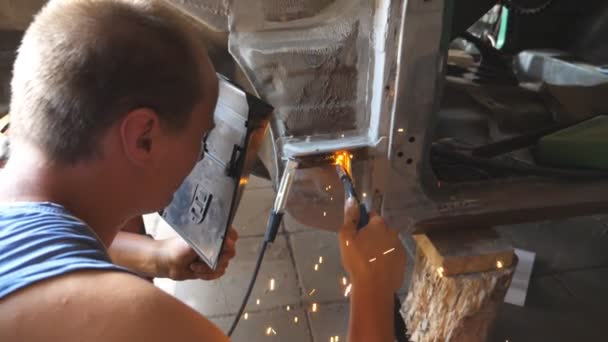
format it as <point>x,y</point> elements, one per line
<point>349,188</point>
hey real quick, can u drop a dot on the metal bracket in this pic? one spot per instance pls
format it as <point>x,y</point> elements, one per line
<point>201,202</point>
<point>233,164</point>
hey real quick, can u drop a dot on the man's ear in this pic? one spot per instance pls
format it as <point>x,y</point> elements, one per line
<point>138,131</point>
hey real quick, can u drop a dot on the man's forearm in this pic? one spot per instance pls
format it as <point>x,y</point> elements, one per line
<point>136,252</point>
<point>371,314</point>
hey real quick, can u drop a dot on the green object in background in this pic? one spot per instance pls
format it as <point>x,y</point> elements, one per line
<point>504,25</point>
<point>584,145</point>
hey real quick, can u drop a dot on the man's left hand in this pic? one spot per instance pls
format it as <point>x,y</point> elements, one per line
<point>178,261</point>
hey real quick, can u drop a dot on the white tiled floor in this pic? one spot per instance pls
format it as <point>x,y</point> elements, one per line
<point>290,261</point>
<point>282,322</point>
<point>326,280</point>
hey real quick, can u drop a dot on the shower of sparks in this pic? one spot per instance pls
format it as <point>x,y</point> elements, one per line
<point>312,292</point>
<point>288,308</point>
<point>344,281</point>
<point>246,316</point>
<point>271,284</point>
<point>401,130</point>
<point>372,259</point>
<point>296,319</point>
<point>257,302</point>
<point>347,291</point>
<point>440,271</point>
<point>388,251</point>
<point>499,264</point>
<point>320,259</point>
<point>314,307</point>
<point>316,267</point>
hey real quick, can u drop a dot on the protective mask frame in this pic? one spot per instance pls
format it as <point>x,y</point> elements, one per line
<point>204,206</point>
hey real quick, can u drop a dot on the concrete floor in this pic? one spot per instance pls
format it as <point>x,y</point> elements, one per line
<point>566,300</point>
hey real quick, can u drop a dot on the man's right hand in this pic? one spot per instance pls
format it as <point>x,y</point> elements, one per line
<point>373,256</point>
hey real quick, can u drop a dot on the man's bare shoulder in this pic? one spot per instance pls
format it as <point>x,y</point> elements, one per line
<point>96,305</point>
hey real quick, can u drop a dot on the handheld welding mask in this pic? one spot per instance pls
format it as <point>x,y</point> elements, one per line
<point>204,206</point>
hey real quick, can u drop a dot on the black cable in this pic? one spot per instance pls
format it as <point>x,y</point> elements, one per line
<point>400,327</point>
<point>272,228</point>
<point>517,8</point>
<point>250,288</point>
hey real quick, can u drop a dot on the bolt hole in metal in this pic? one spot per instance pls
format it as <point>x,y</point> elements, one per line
<point>408,161</point>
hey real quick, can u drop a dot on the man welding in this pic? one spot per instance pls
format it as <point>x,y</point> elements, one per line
<point>132,248</point>
<point>110,101</point>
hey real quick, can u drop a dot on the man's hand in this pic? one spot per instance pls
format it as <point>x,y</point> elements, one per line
<point>373,256</point>
<point>375,259</point>
<point>178,261</point>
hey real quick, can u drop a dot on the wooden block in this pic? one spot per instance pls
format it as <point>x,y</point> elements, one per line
<point>466,251</point>
<point>460,308</point>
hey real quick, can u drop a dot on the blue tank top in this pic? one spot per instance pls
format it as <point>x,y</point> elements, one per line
<point>39,241</point>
